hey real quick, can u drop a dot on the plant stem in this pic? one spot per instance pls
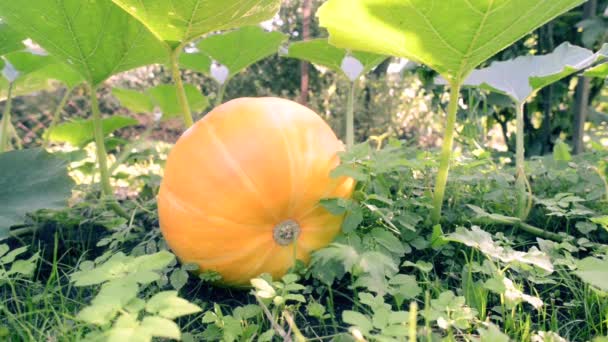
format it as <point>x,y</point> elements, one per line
<point>350,117</point>
<point>539,232</point>
<point>446,152</point>
<point>56,116</point>
<point>220,94</point>
<point>6,119</point>
<point>102,156</point>
<point>522,198</point>
<point>179,87</point>
<point>413,322</point>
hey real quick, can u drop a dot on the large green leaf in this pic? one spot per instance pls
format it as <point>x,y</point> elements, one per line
<point>95,37</point>
<point>238,49</point>
<point>42,79</point>
<point>453,37</point>
<point>134,100</point>
<point>178,22</point>
<point>319,51</point>
<point>162,97</point>
<point>594,272</point>
<point>23,63</point>
<point>36,72</point>
<point>521,77</point>
<point>80,132</point>
<point>196,61</point>
<point>30,180</point>
<point>10,40</point>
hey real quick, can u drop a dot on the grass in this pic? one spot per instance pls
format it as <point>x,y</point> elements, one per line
<point>453,299</point>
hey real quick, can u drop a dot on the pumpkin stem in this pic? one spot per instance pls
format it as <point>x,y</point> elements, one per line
<point>286,232</point>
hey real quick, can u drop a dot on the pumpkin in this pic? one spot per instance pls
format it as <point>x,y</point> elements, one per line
<point>241,189</point>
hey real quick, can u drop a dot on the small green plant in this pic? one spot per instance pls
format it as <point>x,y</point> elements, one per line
<point>117,309</point>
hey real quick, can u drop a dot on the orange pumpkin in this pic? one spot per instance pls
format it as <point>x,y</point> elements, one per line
<point>241,189</point>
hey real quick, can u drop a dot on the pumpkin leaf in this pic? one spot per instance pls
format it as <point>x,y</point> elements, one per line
<point>31,180</point>
<point>601,70</point>
<point>80,132</point>
<point>43,78</point>
<point>42,67</point>
<point>162,97</point>
<point>96,38</point>
<point>522,77</point>
<point>236,50</point>
<point>196,61</point>
<point>10,40</point>
<point>165,97</point>
<point>179,22</point>
<point>350,64</point>
<point>453,38</point>
<point>134,100</point>
<point>594,272</point>
<point>22,63</point>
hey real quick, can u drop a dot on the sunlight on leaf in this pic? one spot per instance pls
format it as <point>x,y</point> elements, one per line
<point>95,37</point>
<point>482,240</point>
<point>177,23</point>
<point>453,38</point>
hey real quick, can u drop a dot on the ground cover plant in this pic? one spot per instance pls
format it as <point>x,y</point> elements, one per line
<point>258,224</point>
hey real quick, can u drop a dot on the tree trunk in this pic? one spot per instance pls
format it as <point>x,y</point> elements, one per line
<point>581,101</point>
<point>304,66</point>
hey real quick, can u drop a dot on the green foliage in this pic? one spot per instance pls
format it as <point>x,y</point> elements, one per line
<point>133,270</point>
<point>482,241</point>
<point>164,96</point>
<point>382,324</point>
<point>279,292</point>
<point>236,50</point>
<point>452,39</point>
<point>31,180</point>
<point>96,38</point>
<point>118,310</point>
<point>179,23</point>
<point>320,52</point>
<point>79,133</point>
<point>389,253</point>
<point>593,271</point>
<point>161,100</point>
<point>10,267</point>
<point>10,40</point>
